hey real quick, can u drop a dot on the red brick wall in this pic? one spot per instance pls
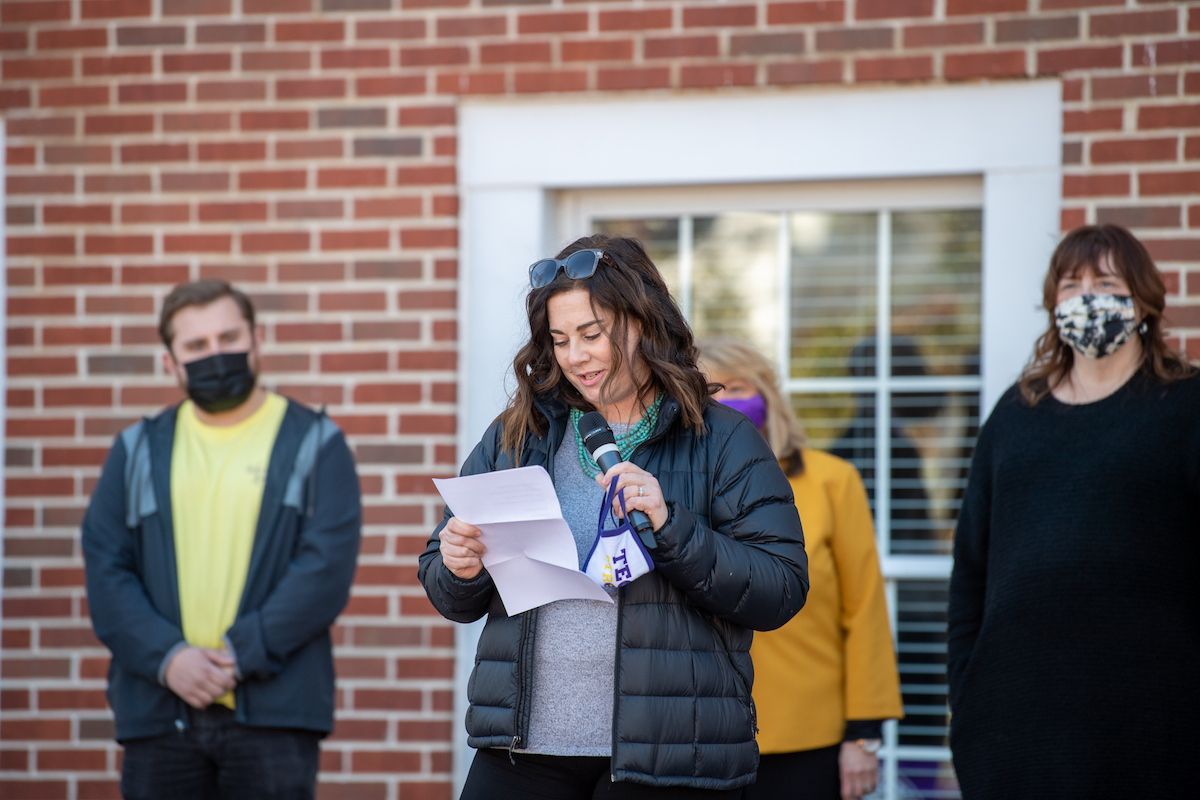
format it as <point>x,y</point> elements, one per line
<point>306,150</point>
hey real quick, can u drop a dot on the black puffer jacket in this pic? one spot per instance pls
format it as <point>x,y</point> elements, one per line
<point>730,559</point>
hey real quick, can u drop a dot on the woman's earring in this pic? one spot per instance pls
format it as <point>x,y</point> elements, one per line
<point>1143,327</point>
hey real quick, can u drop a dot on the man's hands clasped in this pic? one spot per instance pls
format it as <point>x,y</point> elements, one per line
<point>200,675</point>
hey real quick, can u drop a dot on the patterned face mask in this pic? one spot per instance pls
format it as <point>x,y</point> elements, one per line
<point>1096,324</point>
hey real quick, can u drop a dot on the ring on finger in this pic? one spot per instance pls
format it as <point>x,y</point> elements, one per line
<point>641,491</point>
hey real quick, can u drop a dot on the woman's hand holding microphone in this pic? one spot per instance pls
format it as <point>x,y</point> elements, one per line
<point>642,492</point>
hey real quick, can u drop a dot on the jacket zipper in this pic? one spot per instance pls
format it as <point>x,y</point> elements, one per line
<point>522,694</point>
<point>746,686</point>
<point>616,671</point>
<point>511,746</point>
<point>620,616</point>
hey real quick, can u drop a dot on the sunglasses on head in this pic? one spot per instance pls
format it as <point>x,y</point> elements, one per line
<point>578,265</point>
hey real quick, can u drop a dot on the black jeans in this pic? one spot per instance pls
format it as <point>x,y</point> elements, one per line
<point>218,758</point>
<point>536,777</point>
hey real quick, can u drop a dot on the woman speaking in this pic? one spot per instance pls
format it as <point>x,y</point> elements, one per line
<point>650,696</point>
<point>1074,627</point>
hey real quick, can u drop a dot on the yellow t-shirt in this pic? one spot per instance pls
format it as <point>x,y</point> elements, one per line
<point>217,480</point>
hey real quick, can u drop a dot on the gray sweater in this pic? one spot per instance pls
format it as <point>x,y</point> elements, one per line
<point>576,643</point>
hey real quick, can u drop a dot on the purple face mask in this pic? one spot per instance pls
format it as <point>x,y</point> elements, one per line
<point>753,407</point>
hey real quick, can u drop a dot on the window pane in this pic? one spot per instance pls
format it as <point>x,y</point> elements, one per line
<point>736,278</point>
<point>833,294</point>
<point>842,424</point>
<point>933,436</point>
<point>927,780</point>
<point>660,237</point>
<point>921,651</point>
<point>935,292</point>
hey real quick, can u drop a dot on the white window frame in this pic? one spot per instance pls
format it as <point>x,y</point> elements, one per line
<point>520,157</point>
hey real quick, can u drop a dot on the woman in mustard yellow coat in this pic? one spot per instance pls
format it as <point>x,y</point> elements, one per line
<point>824,682</point>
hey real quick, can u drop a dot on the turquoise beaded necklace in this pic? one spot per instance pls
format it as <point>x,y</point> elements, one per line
<point>626,444</point>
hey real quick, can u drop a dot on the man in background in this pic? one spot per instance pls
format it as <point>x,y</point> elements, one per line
<point>220,545</point>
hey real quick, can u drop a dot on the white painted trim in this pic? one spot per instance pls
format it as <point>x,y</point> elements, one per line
<point>518,157</point>
<point>502,236</point>
<point>816,135</point>
<point>1020,231</point>
<point>576,208</point>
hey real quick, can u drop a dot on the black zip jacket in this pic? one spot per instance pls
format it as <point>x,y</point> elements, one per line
<point>729,560</point>
<point>301,567</point>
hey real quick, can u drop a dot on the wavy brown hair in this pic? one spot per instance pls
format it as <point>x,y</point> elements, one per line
<point>1084,250</point>
<point>627,286</point>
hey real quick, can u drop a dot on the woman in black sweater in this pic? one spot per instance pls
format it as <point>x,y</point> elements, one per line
<point>1074,642</point>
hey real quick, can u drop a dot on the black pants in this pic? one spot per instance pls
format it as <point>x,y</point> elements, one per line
<point>534,777</point>
<point>218,758</point>
<point>803,775</point>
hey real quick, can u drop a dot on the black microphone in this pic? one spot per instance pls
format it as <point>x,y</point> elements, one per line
<point>598,438</point>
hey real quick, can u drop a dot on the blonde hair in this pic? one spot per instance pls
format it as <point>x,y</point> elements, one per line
<point>733,358</point>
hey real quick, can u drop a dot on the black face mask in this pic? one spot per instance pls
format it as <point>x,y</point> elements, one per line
<point>221,382</point>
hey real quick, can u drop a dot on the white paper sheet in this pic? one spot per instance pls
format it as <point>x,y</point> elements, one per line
<point>531,553</point>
